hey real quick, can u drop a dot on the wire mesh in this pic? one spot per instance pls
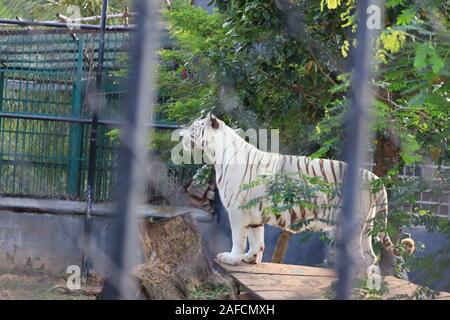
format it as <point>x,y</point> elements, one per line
<point>48,72</point>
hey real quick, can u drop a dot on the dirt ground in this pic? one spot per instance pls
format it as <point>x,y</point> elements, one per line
<point>40,286</point>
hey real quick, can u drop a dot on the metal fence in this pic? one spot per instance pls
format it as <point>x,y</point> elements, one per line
<point>433,199</point>
<point>44,77</point>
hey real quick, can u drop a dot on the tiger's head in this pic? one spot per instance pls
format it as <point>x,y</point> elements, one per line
<point>203,135</point>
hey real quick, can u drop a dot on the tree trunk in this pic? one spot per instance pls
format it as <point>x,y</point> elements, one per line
<point>386,157</point>
<point>387,154</point>
<point>282,246</point>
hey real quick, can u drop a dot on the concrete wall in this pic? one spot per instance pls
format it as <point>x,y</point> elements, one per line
<point>48,234</point>
<point>433,242</point>
<point>47,242</point>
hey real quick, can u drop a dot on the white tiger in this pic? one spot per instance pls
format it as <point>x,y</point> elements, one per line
<point>238,162</point>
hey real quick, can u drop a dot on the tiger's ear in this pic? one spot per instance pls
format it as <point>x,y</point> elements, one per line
<point>214,121</point>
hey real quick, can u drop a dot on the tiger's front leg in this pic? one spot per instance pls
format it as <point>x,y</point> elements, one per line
<point>239,237</point>
<point>256,242</point>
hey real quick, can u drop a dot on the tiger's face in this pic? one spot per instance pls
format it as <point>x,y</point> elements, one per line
<point>201,135</point>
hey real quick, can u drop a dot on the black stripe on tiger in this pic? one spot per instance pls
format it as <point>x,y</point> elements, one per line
<point>283,164</point>
<point>293,216</point>
<point>377,201</point>
<point>229,161</point>
<point>303,212</point>
<point>257,166</point>
<point>224,172</point>
<point>269,162</point>
<point>387,242</point>
<point>313,171</point>
<point>229,201</point>
<point>254,226</point>
<point>281,222</point>
<point>246,168</point>
<point>332,171</point>
<point>324,175</point>
<point>306,165</point>
<point>249,180</point>
<point>300,171</point>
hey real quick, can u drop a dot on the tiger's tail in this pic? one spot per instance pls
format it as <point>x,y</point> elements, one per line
<point>408,244</point>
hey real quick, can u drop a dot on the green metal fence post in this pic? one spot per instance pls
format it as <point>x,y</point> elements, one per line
<point>75,129</point>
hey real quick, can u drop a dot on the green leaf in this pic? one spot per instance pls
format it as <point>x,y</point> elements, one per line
<point>420,59</point>
<point>410,147</point>
<point>406,16</point>
<point>426,55</point>
<point>321,152</point>
<point>394,3</point>
<point>436,63</point>
<point>418,100</point>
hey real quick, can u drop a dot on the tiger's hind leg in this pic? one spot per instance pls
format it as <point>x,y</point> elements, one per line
<point>256,244</point>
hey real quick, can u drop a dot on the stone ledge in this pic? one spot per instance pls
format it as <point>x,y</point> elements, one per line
<point>50,206</point>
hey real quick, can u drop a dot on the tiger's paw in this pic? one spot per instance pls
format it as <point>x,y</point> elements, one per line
<point>252,258</point>
<point>228,258</point>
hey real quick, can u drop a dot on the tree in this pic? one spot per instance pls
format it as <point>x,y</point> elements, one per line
<point>281,64</point>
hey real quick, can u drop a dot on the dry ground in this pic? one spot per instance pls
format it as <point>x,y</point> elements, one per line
<point>40,286</point>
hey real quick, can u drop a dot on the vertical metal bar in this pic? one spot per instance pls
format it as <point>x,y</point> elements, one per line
<point>132,154</point>
<point>448,207</point>
<point>2,86</point>
<point>95,103</point>
<point>75,129</point>
<point>354,146</point>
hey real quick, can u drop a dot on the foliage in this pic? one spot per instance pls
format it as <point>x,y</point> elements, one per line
<point>366,289</point>
<point>210,290</point>
<point>187,84</point>
<point>284,192</point>
<point>261,74</point>
<point>410,89</point>
<point>280,64</point>
<point>203,175</point>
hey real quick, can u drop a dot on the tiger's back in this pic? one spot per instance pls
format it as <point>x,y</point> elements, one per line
<point>324,214</point>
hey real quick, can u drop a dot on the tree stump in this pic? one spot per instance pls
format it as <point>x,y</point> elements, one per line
<point>175,260</point>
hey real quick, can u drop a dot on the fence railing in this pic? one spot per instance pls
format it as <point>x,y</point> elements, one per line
<point>437,201</point>
<point>45,120</point>
<point>47,72</point>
